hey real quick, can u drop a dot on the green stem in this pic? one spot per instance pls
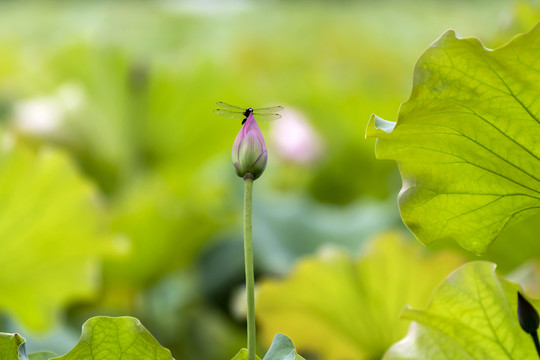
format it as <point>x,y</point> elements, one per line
<point>248,259</point>
<point>536,343</point>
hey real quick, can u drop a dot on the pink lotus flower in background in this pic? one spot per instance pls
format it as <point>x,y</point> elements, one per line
<point>249,155</point>
<point>296,140</point>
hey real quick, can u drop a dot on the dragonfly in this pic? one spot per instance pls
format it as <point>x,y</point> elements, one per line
<point>237,112</point>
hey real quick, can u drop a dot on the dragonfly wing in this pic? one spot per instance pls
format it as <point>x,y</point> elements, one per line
<point>266,117</point>
<point>229,114</point>
<point>230,107</point>
<point>272,109</point>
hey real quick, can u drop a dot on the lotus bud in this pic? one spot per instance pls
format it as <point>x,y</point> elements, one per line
<point>527,315</point>
<point>249,155</point>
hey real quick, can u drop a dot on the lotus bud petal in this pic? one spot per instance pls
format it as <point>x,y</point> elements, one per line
<point>249,155</point>
<point>527,315</point>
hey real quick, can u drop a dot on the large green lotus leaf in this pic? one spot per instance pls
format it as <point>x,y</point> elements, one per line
<point>472,315</point>
<point>342,307</point>
<point>49,234</point>
<point>467,140</point>
<point>109,338</point>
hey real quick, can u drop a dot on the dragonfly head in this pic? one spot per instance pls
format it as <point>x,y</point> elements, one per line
<point>248,111</point>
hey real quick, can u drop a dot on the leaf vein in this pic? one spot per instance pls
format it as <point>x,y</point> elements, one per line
<point>479,166</point>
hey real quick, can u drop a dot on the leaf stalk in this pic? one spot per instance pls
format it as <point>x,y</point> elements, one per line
<point>536,343</point>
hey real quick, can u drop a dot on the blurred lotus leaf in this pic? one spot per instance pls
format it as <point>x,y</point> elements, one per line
<point>49,234</point>
<point>287,227</point>
<point>522,236</point>
<point>466,141</point>
<point>472,315</point>
<point>524,16</point>
<point>528,277</point>
<point>340,307</point>
<point>184,322</point>
<point>108,338</point>
<point>165,219</point>
<point>42,355</point>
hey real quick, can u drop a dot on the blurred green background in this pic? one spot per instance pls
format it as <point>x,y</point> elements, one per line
<point>118,192</point>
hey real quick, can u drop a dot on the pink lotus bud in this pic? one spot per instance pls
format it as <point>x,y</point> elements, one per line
<point>249,155</point>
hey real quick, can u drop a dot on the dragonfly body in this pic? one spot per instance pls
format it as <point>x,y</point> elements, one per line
<point>237,112</point>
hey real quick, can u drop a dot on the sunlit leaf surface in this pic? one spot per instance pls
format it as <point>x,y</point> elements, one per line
<point>472,315</point>
<point>467,141</point>
<point>42,355</point>
<point>346,308</point>
<point>107,338</point>
<point>49,231</point>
